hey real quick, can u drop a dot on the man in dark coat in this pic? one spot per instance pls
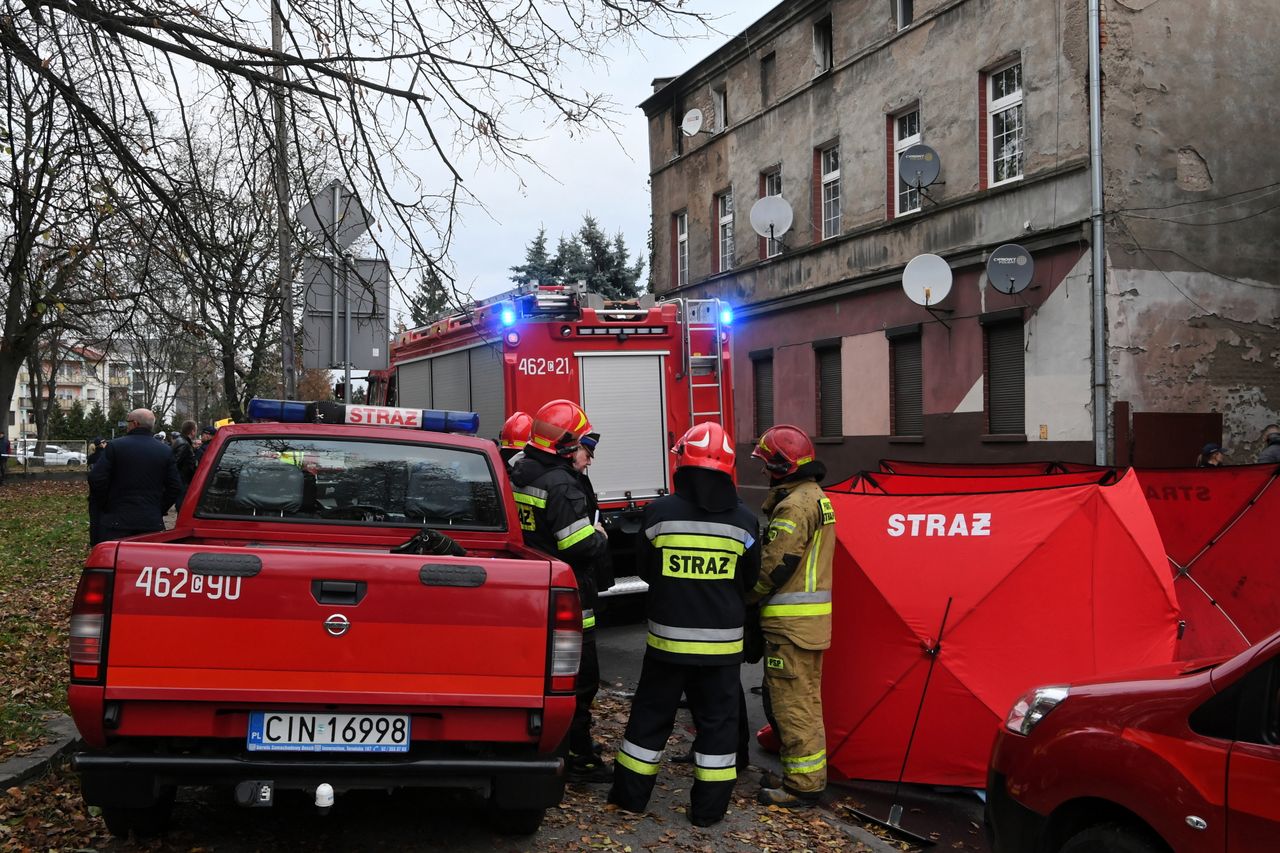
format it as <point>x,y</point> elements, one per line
<point>184,452</point>
<point>134,482</point>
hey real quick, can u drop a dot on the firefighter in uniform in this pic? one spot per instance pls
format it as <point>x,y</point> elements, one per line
<point>698,550</point>
<point>555,519</point>
<point>794,593</point>
<point>514,436</point>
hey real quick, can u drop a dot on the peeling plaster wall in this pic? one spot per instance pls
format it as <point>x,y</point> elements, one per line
<point>1193,292</point>
<point>1191,342</point>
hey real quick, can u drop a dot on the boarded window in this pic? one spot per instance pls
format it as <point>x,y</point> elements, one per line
<point>762,376</point>
<point>830,411</point>
<point>907,386</point>
<point>1005,378</point>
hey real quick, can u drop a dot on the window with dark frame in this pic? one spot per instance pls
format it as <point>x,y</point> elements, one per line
<point>762,386</point>
<point>680,229</point>
<point>823,55</point>
<point>906,385</point>
<point>768,70</point>
<point>677,134</point>
<point>904,12</point>
<point>827,373</point>
<point>1005,377</point>
<point>772,183</point>
<point>720,99</point>
<point>724,229</point>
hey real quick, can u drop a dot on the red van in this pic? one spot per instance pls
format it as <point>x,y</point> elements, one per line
<point>1185,759</point>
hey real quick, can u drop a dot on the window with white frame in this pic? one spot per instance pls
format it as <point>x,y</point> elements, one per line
<point>823,55</point>
<point>904,12</point>
<point>830,191</point>
<point>773,186</point>
<point>724,214</point>
<point>906,132</point>
<point>681,228</point>
<point>1005,128</point>
<point>720,100</point>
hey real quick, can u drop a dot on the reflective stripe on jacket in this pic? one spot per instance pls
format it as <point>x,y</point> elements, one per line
<point>699,566</point>
<point>794,588</point>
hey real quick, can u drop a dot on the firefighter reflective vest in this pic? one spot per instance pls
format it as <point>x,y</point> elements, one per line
<point>794,589</point>
<point>554,519</point>
<point>700,566</point>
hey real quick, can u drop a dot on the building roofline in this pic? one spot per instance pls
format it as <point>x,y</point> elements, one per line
<point>730,52</point>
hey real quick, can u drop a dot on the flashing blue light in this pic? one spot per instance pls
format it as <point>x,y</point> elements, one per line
<point>507,315</point>
<point>726,316</point>
<point>285,411</point>
<point>440,420</point>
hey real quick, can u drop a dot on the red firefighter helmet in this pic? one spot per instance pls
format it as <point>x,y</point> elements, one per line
<point>783,449</point>
<point>558,427</point>
<point>515,432</point>
<point>706,445</point>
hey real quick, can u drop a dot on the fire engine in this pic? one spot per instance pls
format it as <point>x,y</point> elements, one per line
<point>644,371</point>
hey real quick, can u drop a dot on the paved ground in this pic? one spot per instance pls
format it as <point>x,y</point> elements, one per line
<point>45,811</point>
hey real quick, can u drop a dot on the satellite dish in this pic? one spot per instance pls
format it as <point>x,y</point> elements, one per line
<point>692,122</point>
<point>1010,268</point>
<point>919,166</point>
<point>926,280</point>
<point>771,216</point>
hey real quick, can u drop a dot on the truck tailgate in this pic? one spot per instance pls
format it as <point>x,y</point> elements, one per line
<point>299,625</point>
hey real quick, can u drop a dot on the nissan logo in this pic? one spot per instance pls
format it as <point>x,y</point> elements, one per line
<point>337,624</point>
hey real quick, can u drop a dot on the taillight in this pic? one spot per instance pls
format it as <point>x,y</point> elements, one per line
<point>565,642</point>
<point>89,625</point>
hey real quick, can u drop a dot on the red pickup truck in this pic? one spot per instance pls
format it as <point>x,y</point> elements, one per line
<point>275,639</point>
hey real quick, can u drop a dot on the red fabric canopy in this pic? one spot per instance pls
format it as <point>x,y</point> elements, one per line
<point>983,469</point>
<point>1219,527</point>
<point>1048,586</point>
<point>870,482</point>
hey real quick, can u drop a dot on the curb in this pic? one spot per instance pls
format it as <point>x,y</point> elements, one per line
<point>23,768</point>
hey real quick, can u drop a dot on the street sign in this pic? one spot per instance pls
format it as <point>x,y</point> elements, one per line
<point>363,284</point>
<point>336,216</point>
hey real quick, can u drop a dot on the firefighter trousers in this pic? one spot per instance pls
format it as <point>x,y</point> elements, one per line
<point>585,688</point>
<point>793,705</point>
<point>714,695</point>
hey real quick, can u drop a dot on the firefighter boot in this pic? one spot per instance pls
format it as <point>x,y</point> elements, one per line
<point>786,799</point>
<point>589,767</point>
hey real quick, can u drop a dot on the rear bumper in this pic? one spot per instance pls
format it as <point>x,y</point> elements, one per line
<point>120,778</point>
<point>1011,827</point>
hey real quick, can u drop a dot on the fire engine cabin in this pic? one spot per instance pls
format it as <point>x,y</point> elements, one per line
<point>644,371</point>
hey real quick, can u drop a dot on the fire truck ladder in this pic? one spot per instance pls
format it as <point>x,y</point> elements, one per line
<point>703,358</point>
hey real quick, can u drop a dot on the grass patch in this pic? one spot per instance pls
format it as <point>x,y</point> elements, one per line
<point>44,538</point>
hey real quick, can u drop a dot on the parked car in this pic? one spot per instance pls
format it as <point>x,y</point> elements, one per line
<point>1183,759</point>
<point>54,454</point>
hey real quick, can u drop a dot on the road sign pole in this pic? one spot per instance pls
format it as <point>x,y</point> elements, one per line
<point>346,331</point>
<point>283,231</point>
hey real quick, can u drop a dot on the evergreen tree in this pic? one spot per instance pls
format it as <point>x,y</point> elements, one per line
<point>96,423</point>
<point>116,414</point>
<point>431,300</point>
<point>75,424</point>
<point>538,266</point>
<point>56,424</point>
<point>592,257</point>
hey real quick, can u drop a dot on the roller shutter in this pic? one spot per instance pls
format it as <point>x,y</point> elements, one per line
<point>623,396</point>
<point>486,389</point>
<point>830,410</point>
<point>1005,379</point>
<point>908,387</point>
<point>451,381</point>
<point>762,369</point>
<point>413,385</point>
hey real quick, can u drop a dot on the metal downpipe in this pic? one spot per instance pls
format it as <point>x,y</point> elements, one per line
<point>1098,243</point>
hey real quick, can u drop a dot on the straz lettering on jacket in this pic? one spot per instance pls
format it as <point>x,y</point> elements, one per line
<point>688,552</point>
<point>939,524</point>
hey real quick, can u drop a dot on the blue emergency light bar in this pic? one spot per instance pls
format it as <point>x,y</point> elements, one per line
<point>726,316</point>
<point>298,412</point>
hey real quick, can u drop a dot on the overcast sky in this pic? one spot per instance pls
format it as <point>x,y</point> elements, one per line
<point>596,173</point>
